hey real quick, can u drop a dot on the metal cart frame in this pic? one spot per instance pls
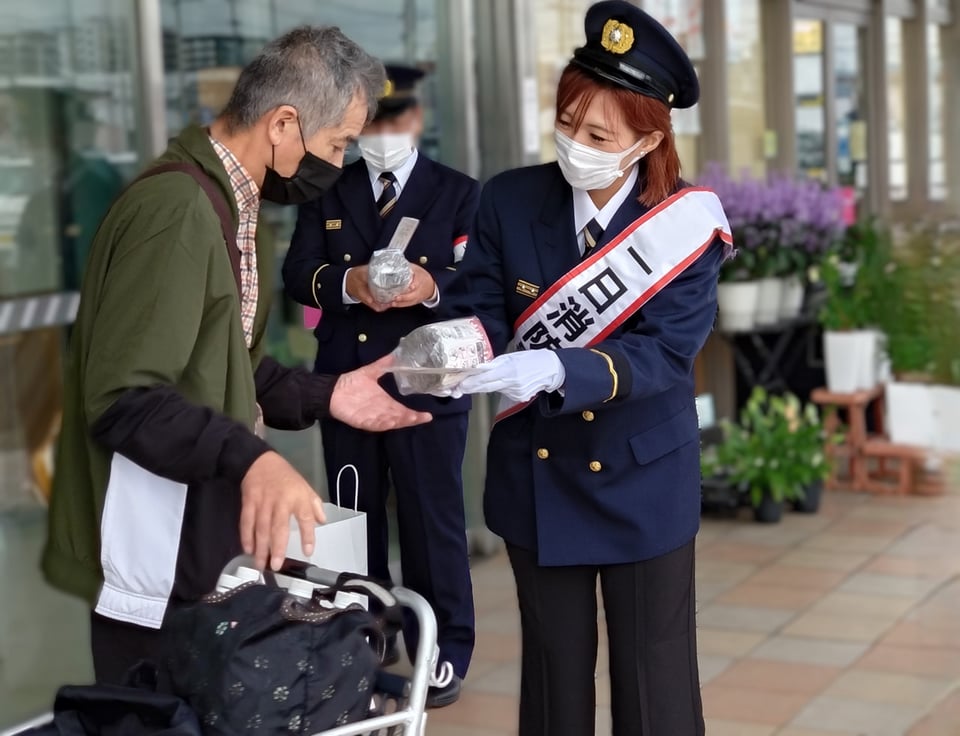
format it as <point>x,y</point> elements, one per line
<point>410,718</point>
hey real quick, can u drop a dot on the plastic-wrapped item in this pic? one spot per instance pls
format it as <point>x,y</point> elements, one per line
<point>434,358</point>
<point>388,274</point>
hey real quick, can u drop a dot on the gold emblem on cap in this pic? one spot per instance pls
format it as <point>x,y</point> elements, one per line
<point>617,37</point>
<point>388,88</point>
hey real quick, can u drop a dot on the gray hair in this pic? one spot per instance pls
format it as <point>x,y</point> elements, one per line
<point>317,70</point>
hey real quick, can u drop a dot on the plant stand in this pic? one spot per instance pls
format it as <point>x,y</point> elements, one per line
<point>912,472</point>
<point>774,361</point>
<point>850,453</point>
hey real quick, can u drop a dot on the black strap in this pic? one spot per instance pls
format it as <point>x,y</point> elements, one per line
<point>215,195</point>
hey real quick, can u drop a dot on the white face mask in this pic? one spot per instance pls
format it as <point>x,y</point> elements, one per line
<point>386,151</point>
<point>587,168</point>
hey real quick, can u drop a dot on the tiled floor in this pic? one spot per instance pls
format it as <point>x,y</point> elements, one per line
<point>844,623</point>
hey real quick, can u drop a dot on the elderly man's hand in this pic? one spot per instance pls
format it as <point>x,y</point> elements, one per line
<point>358,400</point>
<point>273,493</point>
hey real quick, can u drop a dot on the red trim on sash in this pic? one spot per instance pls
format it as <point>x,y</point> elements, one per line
<point>559,284</point>
<point>640,301</point>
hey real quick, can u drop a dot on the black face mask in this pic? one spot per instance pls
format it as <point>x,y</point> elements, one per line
<point>312,179</point>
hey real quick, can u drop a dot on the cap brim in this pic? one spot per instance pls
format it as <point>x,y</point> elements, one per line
<point>388,107</point>
<point>629,77</point>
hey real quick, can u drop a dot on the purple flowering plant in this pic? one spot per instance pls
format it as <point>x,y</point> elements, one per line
<point>781,225</point>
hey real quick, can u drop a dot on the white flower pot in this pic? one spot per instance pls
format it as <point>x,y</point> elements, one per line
<point>791,297</point>
<point>851,359</point>
<point>946,403</point>
<point>768,301</point>
<point>872,350</point>
<point>737,302</point>
<point>911,419</point>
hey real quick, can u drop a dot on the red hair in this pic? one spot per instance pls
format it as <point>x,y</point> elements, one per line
<point>644,115</point>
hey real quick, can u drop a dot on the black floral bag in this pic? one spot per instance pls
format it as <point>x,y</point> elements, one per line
<point>256,659</point>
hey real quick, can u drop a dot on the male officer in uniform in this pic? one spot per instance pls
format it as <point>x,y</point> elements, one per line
<point>326,268</point>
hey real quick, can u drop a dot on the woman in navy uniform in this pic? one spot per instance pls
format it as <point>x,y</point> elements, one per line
<point>326,267</point>
<point>598,276</point>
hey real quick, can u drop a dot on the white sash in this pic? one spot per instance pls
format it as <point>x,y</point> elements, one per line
<point>603,291</point>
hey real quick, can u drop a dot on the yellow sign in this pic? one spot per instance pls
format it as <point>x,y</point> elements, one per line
<point>617,37</point>
<point>807,37</point>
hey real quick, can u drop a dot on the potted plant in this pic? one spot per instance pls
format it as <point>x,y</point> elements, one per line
<point>805,452</point>
<point>739,286</point>
<point>855,277</point>
<point>718,491</point>
<point>923,335</point>
<point>774,453</point>
<point>946,340</point>
<point>781,225</point>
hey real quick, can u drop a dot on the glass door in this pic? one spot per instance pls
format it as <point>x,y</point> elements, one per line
<point>68,143</point>
<point>810,97</point>
<point>849,106</point>
<point>830,83</point>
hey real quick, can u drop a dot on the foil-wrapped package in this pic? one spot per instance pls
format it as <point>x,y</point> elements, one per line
<point>434,358</point>
<point>388,274</point>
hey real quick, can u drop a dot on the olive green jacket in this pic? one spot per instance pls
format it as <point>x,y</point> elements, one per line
<point>159,307</point>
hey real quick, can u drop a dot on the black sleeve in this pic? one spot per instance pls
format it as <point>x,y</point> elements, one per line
<point>292,398</point>
<point>166,434</point>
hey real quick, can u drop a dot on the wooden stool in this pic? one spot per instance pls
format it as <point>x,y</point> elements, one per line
<point>913,474</point>
<point>851,450</point>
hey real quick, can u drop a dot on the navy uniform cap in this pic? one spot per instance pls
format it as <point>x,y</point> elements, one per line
<point>400,92</point>
<point>628,47</point>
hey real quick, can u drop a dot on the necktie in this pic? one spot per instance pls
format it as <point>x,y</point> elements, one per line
<point>388,197</point>
<point>592,233</point>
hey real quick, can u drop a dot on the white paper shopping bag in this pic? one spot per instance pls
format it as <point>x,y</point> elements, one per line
<point>341,542</point>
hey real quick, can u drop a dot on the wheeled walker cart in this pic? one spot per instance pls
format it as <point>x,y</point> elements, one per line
<point>400,701</point>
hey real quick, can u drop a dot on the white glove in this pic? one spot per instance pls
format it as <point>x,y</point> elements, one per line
<point>519,376</point>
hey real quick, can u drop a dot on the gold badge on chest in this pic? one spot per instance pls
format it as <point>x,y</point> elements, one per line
<point>525,288</point>
<point>333,224</point>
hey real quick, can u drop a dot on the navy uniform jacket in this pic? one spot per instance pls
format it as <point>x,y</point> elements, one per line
<point>343,229</point>
<point>597,475</point>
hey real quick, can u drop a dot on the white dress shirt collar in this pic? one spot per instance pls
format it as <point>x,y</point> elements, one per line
<point>585,210</point>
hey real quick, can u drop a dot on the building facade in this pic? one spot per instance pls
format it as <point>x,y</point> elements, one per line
<point>860,93</point>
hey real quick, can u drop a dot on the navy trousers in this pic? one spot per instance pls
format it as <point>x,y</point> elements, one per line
<point>423,465</point>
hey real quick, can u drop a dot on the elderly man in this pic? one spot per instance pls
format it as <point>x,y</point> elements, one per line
<point>161,477</point>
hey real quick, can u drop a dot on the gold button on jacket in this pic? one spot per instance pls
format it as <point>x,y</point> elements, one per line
<point>423,260</point>
<point>347,257</point>
<point>587,416</point>
<point>595,466</point>
<point>543,453</point>
<point>362,337</point>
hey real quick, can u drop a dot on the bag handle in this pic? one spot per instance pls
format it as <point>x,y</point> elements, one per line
<point>356,486</point>
<point>331,581</point>
<point>346,582</point>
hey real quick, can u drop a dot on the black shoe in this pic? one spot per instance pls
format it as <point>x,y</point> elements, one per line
<point>391,654</point>
<point>438,697</point>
